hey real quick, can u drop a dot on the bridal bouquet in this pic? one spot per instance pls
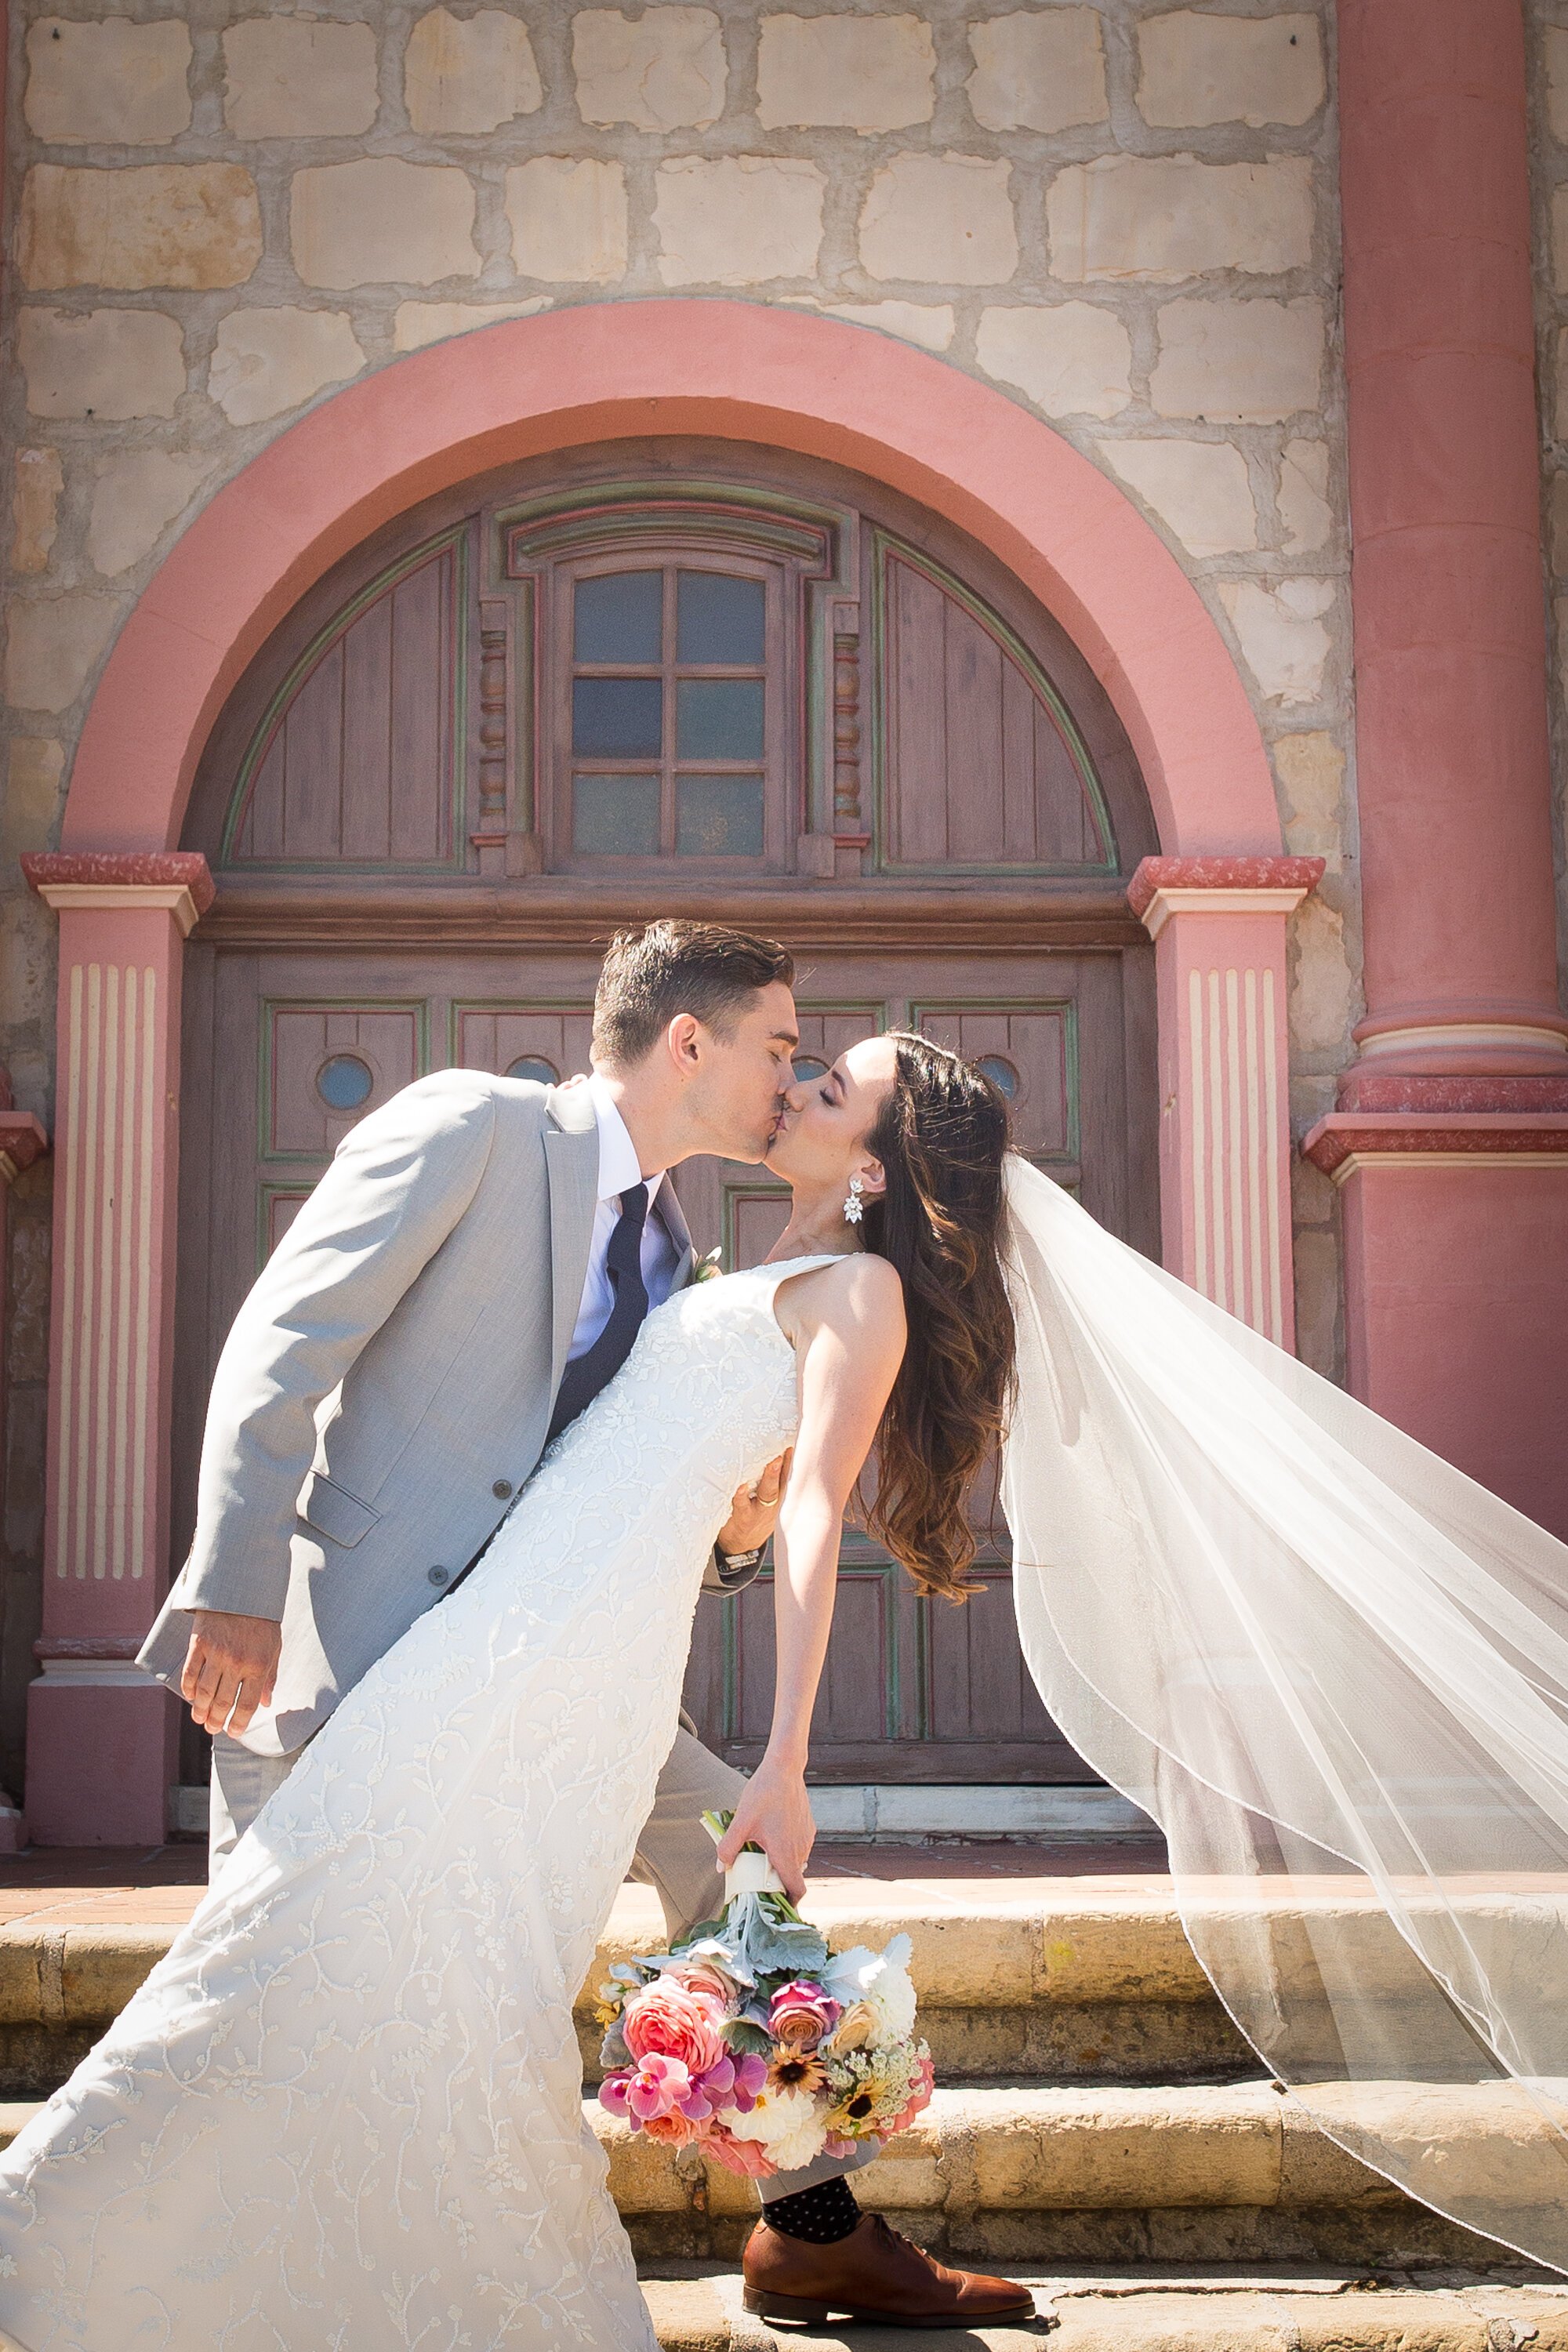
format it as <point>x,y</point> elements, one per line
<point>753,2042</point>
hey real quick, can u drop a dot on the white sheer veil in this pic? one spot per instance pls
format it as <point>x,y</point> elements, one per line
<point>1335,1671</point>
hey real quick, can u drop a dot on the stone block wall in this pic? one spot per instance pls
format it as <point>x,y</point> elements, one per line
<point>1122,214</point>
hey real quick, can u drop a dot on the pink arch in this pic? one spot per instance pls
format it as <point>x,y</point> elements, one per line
<point>734,370</point>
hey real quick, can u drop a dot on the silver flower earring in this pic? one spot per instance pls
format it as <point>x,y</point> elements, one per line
<point>854,1207</point>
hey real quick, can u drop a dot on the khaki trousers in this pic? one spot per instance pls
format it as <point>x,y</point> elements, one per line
<point>674,1857</point>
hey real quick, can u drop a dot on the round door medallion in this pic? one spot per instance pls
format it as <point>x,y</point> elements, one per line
<point>344,1081</point>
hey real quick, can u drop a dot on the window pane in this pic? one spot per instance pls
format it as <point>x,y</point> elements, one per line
<point>1000,1072</point>
<point>619,619</point>
<point>718,816</point>
<point>344,1081</point>
<point>616,816</point>
<point>718,718</point>
<point>618,718</point>
<point>719,619</point>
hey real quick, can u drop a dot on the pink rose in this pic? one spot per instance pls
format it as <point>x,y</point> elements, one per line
<point>679,2131</point>
<point>802,2015</point>
<point>666,2020</point>
<point>708,1981</point>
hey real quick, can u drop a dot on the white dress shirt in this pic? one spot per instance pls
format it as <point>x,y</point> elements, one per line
<point>619,1171</point>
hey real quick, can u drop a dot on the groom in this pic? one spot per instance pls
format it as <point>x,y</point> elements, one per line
<point>469,1273</point>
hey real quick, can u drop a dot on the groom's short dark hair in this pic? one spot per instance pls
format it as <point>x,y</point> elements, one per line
<point>673,966</point>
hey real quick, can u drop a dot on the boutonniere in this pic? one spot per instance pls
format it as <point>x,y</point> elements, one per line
<point>709,1269</point>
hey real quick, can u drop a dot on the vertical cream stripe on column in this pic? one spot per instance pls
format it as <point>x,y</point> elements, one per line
<point>1200,1156</point>
<point>141,1369</point>
<point>1271,1161</point>
<point>1216,1137</point>
<point>103,1331</point>
<point>86,1240</point>
<point>1232,1144</point>
<point>123,1296</point>
<point>65,1445</point>
<point>1258,1310</point>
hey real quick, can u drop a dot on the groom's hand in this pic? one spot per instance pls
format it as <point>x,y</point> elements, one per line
<point>754,1512</point>
<point>230,1668</point>
<point>774,1813</point>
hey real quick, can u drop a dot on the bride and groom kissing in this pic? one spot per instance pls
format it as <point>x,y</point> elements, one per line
<point>476,1442</point>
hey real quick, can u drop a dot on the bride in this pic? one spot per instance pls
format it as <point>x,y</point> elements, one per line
<point>345,2110</point>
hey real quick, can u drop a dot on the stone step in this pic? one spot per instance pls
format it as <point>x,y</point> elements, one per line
<point>998,2174</point>
<point>1284,2309</point>
<point>1064,1980</point>
<point>1015,1979</point>
<point>1016,2177</point>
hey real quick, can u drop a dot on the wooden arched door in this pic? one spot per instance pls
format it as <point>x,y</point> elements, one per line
<point>675,678</point>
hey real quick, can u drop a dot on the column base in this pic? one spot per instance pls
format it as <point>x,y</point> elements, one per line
<point>102,1755</point>
<point>1455,1239</point>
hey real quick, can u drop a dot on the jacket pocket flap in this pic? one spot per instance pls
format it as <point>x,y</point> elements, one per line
<point>334,1511</point>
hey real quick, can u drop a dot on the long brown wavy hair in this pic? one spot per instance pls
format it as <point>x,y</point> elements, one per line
<point>941,1136</point>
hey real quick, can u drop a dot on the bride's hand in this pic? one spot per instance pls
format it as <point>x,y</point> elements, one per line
<point>774,1813</point>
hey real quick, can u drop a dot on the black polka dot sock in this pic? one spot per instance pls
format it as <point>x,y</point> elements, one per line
<point>821,2215</point>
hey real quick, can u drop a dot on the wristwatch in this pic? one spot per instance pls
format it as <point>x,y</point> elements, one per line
<point>731,1564</point>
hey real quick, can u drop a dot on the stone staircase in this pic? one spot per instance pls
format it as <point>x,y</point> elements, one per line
<point>1095,2105</point>
<point>1099,2128</point>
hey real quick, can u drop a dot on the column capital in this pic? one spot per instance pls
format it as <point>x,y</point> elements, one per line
<point>1163,886</point>
<point>1347,1140</point>
<point>114,881</point>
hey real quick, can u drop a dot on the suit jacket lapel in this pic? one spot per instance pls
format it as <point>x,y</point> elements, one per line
<point>675,1226</point>
<point>571,1161</point>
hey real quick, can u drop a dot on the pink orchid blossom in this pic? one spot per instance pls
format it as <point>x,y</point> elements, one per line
<point>655,2086</point>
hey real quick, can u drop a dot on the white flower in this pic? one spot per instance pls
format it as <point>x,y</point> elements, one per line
<point>882,1979</point>
<point>788,2123</point>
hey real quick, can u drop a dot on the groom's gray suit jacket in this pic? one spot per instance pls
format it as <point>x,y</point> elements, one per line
<point>388,1383</point>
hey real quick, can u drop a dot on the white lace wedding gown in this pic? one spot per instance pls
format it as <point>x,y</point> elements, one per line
<point>344,2113</point>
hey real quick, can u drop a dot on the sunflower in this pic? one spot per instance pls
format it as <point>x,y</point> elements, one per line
<point>795,2070</point>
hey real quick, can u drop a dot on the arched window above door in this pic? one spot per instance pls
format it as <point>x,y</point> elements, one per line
<point>708,674</point>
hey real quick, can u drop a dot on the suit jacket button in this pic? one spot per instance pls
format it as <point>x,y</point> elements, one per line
<point>436,1575</point>
<point>501,1489</point>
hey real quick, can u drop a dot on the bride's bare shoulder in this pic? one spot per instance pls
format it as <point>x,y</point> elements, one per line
<point>856,1295</point>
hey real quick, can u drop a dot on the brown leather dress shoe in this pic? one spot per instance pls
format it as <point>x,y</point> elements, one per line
<point>874,2275</point>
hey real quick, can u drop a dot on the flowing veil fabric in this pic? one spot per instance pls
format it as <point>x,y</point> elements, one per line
<point>1335,1671</point>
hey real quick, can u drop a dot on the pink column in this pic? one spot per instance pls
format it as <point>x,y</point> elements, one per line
<point>22,1140</point>
<point>100,1736</point>
<point>1218,928</point>
<point>1462,1051</point>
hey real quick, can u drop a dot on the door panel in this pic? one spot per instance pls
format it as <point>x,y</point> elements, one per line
<point>540,1042</point>
<point>916,1690</point>
<point>328,1066</point>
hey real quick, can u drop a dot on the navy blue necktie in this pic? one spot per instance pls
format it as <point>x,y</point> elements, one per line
<point>588,1373</point>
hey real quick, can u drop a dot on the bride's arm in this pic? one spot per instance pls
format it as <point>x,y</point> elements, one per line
<point>847,1326</point>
